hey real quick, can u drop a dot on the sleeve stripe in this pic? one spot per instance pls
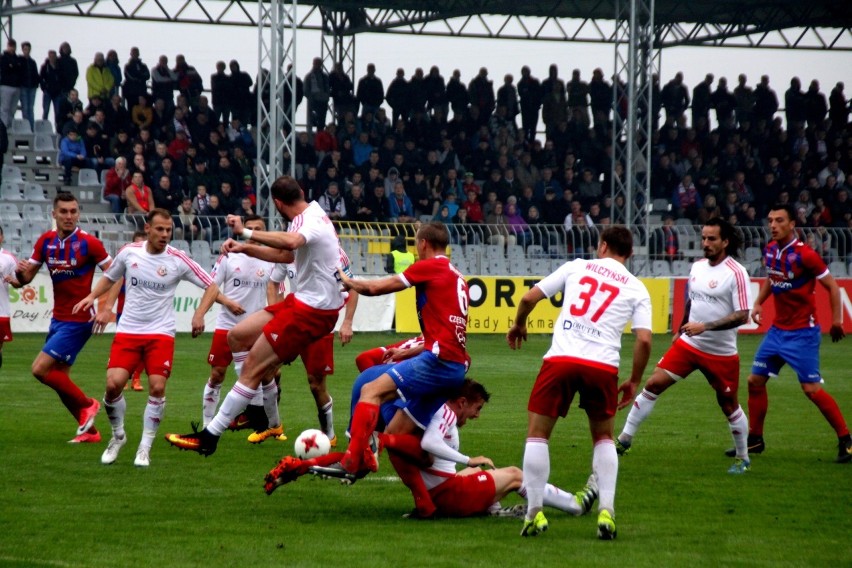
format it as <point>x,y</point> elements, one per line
<point>741,283</point>
<point>196,269</point>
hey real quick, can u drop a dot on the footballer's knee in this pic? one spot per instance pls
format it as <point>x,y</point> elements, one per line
<point>757,382</point>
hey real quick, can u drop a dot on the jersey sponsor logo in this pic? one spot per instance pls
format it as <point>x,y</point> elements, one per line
<point>162,271</point>
<point>458,319</point>
<point>150,284</point>
<point>577,327</point>
<point>248,283</point>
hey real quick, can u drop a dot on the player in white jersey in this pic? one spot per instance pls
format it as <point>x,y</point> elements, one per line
<point>718,303</point>
<point>243,290</point>
<point>8,262</point>
<point>599,298</point>
<point>302,318</point>
<point>146,332</point>
<point>471,491</point>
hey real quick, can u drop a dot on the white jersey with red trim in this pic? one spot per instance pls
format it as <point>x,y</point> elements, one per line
<point>287,271</point>
<point>599,297</point>
<point>8,262</point>
<point>243,279</point>
<point>150,284</point>
<point>316,282</point>
<point>441,439</point>
<point>714,293</point>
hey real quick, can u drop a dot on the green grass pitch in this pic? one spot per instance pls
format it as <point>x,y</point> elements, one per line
<point>676,506</point>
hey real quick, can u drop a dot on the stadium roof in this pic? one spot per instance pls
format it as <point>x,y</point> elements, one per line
<point>804,24</point>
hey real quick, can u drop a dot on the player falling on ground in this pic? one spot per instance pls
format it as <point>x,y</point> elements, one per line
<point>393,353</point>
<point>71,256</point>
<point>471,491</point>
<point>599,298</point>
<point>718,303</point>
<point>317,358</point>
<point>434,374</point>
<point>243,290</point>
<point>8,263</point>
<point>793,269</point>
<point>302,318</point>
<point>152,269</point>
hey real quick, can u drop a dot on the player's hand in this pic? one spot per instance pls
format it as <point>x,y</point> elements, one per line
<point>197,325</point>
<point>345,332</point>
<point>391,355</point>
<point>83,305</point>
<point>230,245</point>
<point>676,337</point>
<point>692,328</point>
<point>836,332</point>
<point>757,314</point>
<point>345,281</point>
<point>479,461</point>
<point>627,389</point>
<point>516,335</point>
<point>235,308</point>
<point>102,319</point>
<point>235,222</point>
<point>23,266</point>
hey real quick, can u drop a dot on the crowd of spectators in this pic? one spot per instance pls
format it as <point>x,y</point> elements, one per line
<point>463,152</point>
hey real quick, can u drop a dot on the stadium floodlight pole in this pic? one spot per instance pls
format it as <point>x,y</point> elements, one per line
<point>275,133</point>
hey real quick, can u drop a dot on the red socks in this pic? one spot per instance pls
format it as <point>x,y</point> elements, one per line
<point>409,473</point>
<point>828,406</point>
<point>364,420</point>
<point>69,393</point>
<point>758,402</point>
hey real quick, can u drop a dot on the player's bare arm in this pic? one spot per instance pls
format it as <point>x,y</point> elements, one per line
<point>732,320</point>
<point>348,315</point>
<point>641,354</point>
<point>105,303</point>
<point>395,354</point>
<point>762,296</point>
<point>207,301</point>
<point>517,334</point>
<point>268,254</point>
<point>275,239</point>
<point>380,287</point>
<point>101,288</point>
<point>829,283</point>
<point>26,271</point>
<point>686,309</point>
<point>12,281</point>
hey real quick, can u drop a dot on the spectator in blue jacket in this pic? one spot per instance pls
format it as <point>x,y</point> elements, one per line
<point>72,153</point>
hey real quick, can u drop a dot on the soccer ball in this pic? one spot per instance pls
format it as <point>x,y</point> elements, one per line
<point>311,444</point>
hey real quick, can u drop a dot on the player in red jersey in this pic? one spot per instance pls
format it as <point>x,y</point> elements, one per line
<point>793,269</point>
<point>399,351</point>
<point>71,256</point>
<point>442,306</point>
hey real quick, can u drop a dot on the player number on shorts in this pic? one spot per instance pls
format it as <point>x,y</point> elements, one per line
<point>462,290</point>
<point>592,287</point>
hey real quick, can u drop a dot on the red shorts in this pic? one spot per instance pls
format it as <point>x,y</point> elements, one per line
<point>721,371</point>
<point>220,353</point>
<point>154,350</point>
<point>465,495</point>
<point>295,325</point>
<point>5,330</point>
<point>561,377</point>
<point>318,357</point>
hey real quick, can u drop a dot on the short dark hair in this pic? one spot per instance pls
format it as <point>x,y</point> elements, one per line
<point>473,390</point>
<point>254,217</point>
<point>138,234</point>
<point>157,212</point>
<point>728,233</point>
<point>619,240</point>
<point>788,207</point>
<point>286,190</point>
<point>65,196</point>
<point>435,233</point>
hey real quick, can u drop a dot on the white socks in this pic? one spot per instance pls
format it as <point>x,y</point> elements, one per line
<point>239,358</point>
<point>738,423</point>
<point>536,472</point>
<point>641,409</point>
<point>270,403</point>
<point>235,402</point>
<point>605,468</point>
<point>209,402</point>
<point>115,411</point>
<point>557,498</point>
<point>326,418</point>
<point>151,421</point>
